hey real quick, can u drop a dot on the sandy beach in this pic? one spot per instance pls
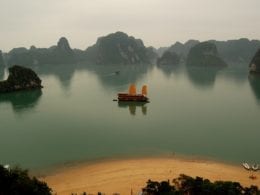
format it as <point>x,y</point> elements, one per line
<point>123,175</point>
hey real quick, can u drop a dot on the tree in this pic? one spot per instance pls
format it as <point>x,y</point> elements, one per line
<point>16,181</point>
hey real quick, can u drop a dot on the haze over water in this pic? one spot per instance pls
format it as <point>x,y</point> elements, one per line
<point>196,112</point>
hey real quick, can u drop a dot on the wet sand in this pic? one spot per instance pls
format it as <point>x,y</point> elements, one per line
<point>126,175</point>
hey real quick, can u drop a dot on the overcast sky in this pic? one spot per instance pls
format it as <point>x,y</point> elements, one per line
<point>156,22</point>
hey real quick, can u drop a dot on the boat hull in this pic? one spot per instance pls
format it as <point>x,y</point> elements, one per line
<point>132,98</point>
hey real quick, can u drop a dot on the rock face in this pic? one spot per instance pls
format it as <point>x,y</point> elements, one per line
<point>183,49</point>
<point>63,52</point>
<point>168,58</point>
<point>20,78</point>
<point>2,63</point>
<point>204,54</point>
<point>118,48</point>
<point>254,66</point>
<point>58,54</point>
<point>237,51</point>
<point>240,50</point>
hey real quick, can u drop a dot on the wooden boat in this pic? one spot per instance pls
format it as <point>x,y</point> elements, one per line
<point>255,167</point>
<point>246,166</point>
<point>133,96</point>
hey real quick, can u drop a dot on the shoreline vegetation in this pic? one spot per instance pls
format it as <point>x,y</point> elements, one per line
<point>126,176</point>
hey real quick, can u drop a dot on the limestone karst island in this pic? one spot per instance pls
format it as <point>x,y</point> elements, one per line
<point>129,97</point>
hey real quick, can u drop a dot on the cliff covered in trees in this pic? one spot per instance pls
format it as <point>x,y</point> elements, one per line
<point>20,78</point>
<point>204,54</point>
<point>118,48</point>
<point>255,63</point>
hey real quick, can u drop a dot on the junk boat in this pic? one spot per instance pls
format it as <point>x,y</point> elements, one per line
<point>255,167</point>
<point>132,96</point>
<point>246,166</point>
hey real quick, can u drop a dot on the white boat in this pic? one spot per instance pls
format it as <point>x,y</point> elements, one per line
<point>7,166</point>
<point>246,166</point>
<point>255,167</point>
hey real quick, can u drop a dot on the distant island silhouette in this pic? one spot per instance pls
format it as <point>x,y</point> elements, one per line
<point>120,48</point>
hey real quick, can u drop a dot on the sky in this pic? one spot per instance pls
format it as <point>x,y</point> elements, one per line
<point>158,23</point>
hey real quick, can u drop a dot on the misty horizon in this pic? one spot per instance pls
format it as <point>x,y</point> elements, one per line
<point>169,45</point>
<point>157,23</point>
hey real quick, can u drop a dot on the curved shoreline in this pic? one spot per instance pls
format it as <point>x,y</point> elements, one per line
<point>124,175</point>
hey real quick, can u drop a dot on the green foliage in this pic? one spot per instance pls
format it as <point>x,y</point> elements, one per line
<point>197,186</point>
<point>20,78</point>
<point>256,61</point>
<point>241,50</point>
<point>204,54</point>
<point>168,58</point>
<point>159,188</point>
<point>16,181</point>
<point>60,54</point>
<point>118,48</point>
<point>2,63</point>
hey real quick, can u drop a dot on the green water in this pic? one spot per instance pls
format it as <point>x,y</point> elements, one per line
<point>198,112</point>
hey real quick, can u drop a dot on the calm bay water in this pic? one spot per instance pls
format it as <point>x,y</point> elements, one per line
<point>201,112</point>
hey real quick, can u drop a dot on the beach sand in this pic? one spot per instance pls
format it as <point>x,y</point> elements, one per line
<point>122,176</point>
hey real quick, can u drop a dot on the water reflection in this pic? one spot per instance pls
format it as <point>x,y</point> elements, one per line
<point>118,76</point>
<point>168,70</point>
<point>203,77</point>
<point>237,72</point>
<point>132,106</point>
<point>254,80</point>
<point>22,101</point>
<point>110,76</point>
<point>64,73</point>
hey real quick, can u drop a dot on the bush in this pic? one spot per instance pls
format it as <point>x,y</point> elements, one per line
<point>197,186</point>
<point>16,181</point>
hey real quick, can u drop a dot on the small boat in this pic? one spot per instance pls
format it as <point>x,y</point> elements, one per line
<point>133,96</point>
<point>246,166</point>
<point>255,167</point>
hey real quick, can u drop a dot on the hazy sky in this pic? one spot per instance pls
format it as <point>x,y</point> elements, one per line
<point>157,22</point>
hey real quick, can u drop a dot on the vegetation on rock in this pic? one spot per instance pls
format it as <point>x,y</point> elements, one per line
<point>238,51</point>
<point>2,63</point>
<point>241,50</point>
<point>118,48</point>
<point>183,49</point>
<point>60,54</point>
<point>20,78</point>
<point>204,54</point>
<point>168,58</point>
<point>255,63</point>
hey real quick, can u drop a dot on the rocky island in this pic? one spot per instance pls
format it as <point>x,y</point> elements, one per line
<point>205,54</point>
<point>2,63</point>
<point>254,66</point>
<point>118,48</point>
<point>168,58</point>
<point>57,54</point>
<point>20,78</point>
